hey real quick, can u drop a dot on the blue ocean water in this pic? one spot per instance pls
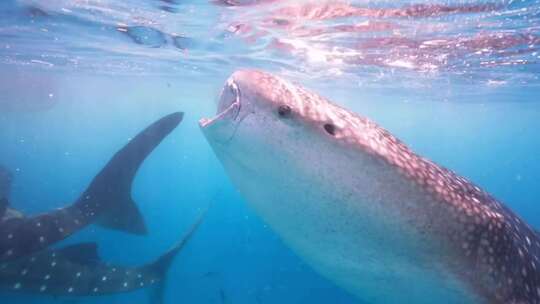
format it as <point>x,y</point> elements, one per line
<point>78,79</point>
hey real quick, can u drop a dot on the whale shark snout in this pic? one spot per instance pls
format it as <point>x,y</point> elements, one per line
<point>364,210</point>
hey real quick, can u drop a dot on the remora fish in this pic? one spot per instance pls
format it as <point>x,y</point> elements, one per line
<point>77,270</point>
<point>107,201</point>
<point>363,209</point>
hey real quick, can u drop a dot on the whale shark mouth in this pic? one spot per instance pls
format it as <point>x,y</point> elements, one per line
<point>229,105</point>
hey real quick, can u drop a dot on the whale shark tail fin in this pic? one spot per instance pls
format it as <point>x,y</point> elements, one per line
<point>110,190</point>
<point>163,263</point>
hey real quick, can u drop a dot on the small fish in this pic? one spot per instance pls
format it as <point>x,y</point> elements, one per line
<point>77,270</point>
<point>107,201</point>
<point>362,208</point>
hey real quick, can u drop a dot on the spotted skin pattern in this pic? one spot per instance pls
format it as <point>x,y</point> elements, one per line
<point>52,273</point>
<point>77,270</point>
<point>485,245</point>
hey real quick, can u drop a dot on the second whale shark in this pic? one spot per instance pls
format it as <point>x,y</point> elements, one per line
<point>78,270</point>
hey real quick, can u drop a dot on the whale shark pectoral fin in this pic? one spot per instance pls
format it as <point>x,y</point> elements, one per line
<point>82,253</point>
<point>109,193</point>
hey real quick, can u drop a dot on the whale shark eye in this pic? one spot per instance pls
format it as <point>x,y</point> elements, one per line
<point>284,110</point>
<point>330,129</point>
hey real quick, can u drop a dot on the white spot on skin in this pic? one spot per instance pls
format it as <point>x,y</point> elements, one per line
<point>53,263</point>
<point>10,236</point>
<point>24,272</point>
<point>47,277</point>
<point>43,288</point>
<point>104,278</point>
<point>17,286</point>
<point>78,274</point>
<point>96,290</point>
<point>41,239</point>
<point>38,224</point>
<point>9,252</point>
<point>125,284</point>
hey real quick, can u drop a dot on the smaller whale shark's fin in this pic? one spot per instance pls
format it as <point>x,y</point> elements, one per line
<point>82,253</point>
<point>162,264</point>
<point>111,188</point>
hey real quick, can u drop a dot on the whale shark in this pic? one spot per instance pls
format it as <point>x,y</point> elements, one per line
<point>360,207</point>
<point>78,270</point>
<point>106,201</point>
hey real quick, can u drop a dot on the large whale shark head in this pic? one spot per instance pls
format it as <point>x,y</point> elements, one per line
<point>275,135</point>
<point>361,208</point>
<point>269,125</point>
